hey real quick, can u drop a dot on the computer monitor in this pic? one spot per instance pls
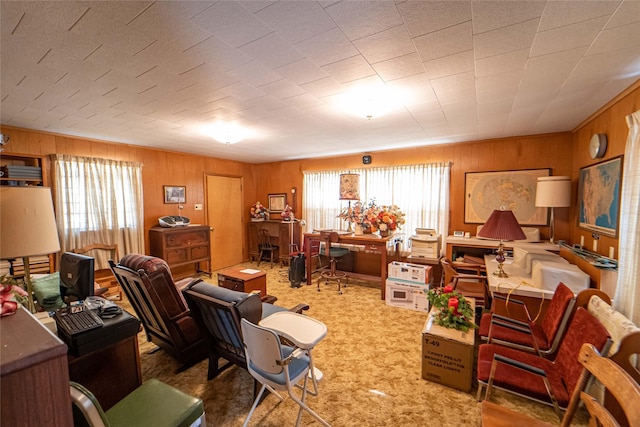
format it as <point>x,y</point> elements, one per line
<point>76,276</point>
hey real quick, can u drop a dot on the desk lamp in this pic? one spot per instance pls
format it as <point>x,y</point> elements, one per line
<point>502,225</point>
<point>28,227</point>
<point>553,192</point>
<point>349,187</point>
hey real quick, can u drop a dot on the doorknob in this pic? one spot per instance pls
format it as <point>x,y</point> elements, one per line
<point>210,228</point>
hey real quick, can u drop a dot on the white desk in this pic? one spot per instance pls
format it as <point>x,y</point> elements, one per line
<point>303,331</point>
<point>518,281</point>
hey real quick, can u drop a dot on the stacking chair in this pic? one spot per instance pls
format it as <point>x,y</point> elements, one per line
<point>154,403</point>
<point>621,385</point>
<point>541,337</point>
<point>335,255</point>
<point>276,367</point>
<point>470,285</point>
<point>535,377</point>
<point>266,246</point>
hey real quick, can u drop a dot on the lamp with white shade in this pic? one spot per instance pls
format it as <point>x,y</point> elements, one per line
<point>501,225</point>
<point>553,192</point>
<point>28,227</point>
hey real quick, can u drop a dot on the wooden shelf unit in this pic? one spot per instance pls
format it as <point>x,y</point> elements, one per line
<point>16,159</point>
<point>180,246</point>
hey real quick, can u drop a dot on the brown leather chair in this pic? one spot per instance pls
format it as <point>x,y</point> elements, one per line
<point>158,302</point>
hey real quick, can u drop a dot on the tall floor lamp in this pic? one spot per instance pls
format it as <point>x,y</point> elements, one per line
<point>553,192</point>
<point>28,227</point>
<point>501,225</point>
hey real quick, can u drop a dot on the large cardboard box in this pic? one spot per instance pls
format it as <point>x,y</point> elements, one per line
<point>414,273</point>
<point>447,355</point>
<point>412,296</point>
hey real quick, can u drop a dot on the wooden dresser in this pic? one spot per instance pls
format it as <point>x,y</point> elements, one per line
<point>180,246</point>
<point>282,233</point>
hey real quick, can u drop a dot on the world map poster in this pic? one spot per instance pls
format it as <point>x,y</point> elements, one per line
<point>599,197</point>
<point>510,190</point>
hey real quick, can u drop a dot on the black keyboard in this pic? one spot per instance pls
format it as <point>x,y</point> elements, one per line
<point>74,321</point>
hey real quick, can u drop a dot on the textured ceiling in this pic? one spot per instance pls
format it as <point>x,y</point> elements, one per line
<point>154,73</point>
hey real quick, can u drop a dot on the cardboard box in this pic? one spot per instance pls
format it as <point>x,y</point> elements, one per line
<point>412,296</point>
<point>413,273</point>
<point>447,356</point>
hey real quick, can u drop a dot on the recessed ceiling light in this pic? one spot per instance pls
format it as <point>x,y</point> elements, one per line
<point>369,102</point>
<point>227,132</point>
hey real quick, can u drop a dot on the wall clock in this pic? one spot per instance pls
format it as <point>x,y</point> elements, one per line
<point>366,160</point>
<point>598,145</point>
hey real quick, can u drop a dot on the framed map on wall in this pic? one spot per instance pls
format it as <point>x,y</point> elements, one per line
<point>512,190</point>
<point>599,197</point>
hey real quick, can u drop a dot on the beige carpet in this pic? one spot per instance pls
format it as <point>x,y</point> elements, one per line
<point>371,360</point>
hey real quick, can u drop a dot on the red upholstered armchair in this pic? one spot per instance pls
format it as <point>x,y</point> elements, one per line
<point>158,302</point>
<point>543,337</point>
<point>537,378</point>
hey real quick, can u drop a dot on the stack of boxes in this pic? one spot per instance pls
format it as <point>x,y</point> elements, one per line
<point>407,286</point>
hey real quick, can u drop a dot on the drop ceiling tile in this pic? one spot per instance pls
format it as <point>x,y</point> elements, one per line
<point>217,53</point>
<point>296,21</point>
<point>165,56</point>
<point>301,72</point>
<point>61,14</point>
<point>327,48</point>
<point>512,61</point>
<point>121,11</point>
<point>399,67</point>
<point>616,38</point>
<point>455,89</point>
<point>349,69</point>
<point>449,65</point>
<point>363,18</point>
<point>159,22</point>
<point>304,101</point>
<point>627,12</point>
<point>282,89</point>
<point>413,90</point>
<point>449,41</point>
<point>424,17</point>
<point>498,87</point>
<point>504,40</point>
<point>273,51</point>
<point>255,73</point>
<point>567,37</point>
<point>551,70</point>
<point>491,15</point>
<point>565,13</point>
<point>385,45</point>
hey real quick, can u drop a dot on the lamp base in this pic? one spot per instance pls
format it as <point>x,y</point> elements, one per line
<point>500,260</point>
<point>500,272</point>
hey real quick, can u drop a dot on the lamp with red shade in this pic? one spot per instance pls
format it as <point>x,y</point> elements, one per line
<point>501,225</point>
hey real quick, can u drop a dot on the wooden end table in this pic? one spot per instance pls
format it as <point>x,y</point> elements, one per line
<point>245,280</point>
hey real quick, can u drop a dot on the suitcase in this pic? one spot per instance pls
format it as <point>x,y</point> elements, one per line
<point>297,270</point>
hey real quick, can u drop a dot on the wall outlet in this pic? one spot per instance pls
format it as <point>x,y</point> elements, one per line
<point>198,206</point>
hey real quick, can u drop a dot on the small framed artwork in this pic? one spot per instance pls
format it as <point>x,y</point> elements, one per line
<point>175,194</point>
<point>599,197</point>
<point>277,202</point>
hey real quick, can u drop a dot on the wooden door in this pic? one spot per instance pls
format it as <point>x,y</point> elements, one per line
<point>224,215</point>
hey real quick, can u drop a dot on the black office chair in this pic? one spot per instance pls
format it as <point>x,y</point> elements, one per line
<point>266,247</point>
<point>335,255</point>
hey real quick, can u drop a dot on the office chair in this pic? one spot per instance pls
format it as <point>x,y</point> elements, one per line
<point>276,367</point>
<point>335,255</point>
<point>154,403</point>
<point>265,246</point>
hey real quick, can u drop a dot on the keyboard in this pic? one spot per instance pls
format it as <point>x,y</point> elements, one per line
<point>74,321</point>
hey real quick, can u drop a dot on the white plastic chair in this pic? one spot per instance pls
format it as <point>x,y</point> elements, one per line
<point>276,367</point>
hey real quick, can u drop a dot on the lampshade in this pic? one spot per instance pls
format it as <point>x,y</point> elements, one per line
<point>553,192</point>
<point>502,225</point>
<point>28,225</point>
<point>349,186</point>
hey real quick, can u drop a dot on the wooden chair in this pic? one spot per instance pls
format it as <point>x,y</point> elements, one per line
<point>266,246</point>
<point>617,381</point>
<point>470,285</point>
<point>103,277</point>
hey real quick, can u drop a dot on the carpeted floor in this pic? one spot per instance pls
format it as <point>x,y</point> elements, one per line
<point>371,360</point>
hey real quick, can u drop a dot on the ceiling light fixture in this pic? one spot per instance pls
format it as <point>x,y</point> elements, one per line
<point>227,132</point>
<point>369,102</point>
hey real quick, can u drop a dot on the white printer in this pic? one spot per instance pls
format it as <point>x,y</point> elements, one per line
<point>425,244</point>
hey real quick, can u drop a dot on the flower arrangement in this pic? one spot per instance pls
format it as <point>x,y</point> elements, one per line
<point>452,309</point>
<point>10,296</point>
<point>389,218</point>
<point>374,217</point>
<point>259,212</point>
<point>287,214</point>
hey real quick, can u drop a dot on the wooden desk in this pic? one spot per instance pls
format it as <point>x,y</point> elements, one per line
<point>282,233</point>
<point>35,378</point>
<point>457,246</point>
<point>372,242</point>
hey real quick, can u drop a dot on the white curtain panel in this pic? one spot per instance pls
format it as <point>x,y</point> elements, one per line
<point>99,201</point>
<point>628,285</point>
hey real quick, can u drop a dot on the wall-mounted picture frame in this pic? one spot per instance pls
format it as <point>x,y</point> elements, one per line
<point>599,197</point>
<point>277,202</point>
<point>513,190</point>
<point>174,194</point>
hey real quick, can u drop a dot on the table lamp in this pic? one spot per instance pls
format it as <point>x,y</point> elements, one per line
<point>502,225</point>
<point>553,192</point>
<point>28,227</point>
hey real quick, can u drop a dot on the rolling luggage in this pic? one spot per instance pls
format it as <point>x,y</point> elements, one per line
<point>297,269</point>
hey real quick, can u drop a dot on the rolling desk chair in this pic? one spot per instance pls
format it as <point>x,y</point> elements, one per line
<point>335,255</point>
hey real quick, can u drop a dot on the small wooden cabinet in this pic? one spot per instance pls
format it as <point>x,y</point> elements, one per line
<point>282,233</point>
<point>181,246</point>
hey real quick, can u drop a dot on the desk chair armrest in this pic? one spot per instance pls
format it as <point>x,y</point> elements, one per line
<point>180,316</point>
<point>510,326</point>
<point>299,308</point>
<point>186,282</point>
<point>519,365</point>
<point>509,320</point>
<point>295,354</point>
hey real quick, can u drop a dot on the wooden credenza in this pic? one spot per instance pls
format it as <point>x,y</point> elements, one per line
<point>35,376</point>
<point>180,246</point>
<point>282,233</point>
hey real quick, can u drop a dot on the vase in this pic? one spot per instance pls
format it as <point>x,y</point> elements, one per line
<point>358,230</point>
<point>384,233</point>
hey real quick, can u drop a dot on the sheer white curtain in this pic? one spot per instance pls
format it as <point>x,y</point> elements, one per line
<point>99,201</point>
<point>628,286</point>
<point>420,191</point>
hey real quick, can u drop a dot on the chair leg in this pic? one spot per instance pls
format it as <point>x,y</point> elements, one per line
<point>255,404</point>
<point>304,405</point>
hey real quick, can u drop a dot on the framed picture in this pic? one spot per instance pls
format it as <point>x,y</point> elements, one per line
<point>277,202</point>
<point>599,197</point>
<point>513,190</point>
<point>174,194</point>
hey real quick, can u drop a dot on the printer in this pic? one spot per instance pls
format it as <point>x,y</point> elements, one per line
<point>425,244</point>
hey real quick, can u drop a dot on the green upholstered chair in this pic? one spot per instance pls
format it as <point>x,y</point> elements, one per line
<point>154,403</point>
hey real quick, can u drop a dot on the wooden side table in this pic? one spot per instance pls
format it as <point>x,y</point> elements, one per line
<point>238,279</point>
